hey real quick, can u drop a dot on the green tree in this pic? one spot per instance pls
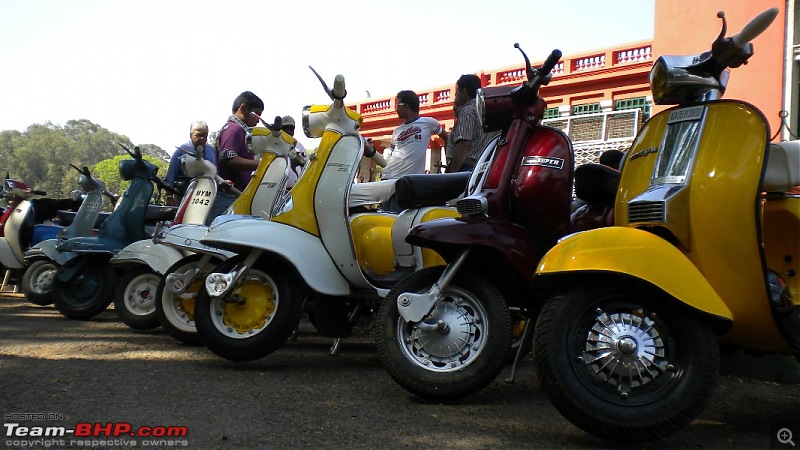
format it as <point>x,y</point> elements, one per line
<point>41,156</point>
<point>108,172</point>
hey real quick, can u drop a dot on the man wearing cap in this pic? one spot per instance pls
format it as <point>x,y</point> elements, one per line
<point>297,163</point>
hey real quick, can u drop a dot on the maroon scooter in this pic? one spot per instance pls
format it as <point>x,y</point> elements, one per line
<point>446,332</point>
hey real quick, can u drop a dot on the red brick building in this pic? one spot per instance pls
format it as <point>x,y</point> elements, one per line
<point>601,98</point>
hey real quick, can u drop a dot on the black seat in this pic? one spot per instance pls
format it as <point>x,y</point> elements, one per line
<point>157,213</point>
<point>417,191</point>
<point>65,218</point>
<point>596,184</point>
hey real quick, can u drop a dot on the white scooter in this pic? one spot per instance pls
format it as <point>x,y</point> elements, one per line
<point>145,261</point>
<point>26,220</point>
<point>313,248</point>
<point>177,289</point>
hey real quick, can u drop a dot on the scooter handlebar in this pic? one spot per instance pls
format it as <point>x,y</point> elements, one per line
<point>550,63</point>
<point>755,27</point>
<point>338,91</point>
<point>163,185</point>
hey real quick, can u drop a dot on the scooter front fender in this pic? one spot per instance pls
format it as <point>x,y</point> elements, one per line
<point>300,249</point>
<point>47,249</point>
<point>450,236</point>
<point>158,257</point>
<point>633,253</point>
<point>186,237</point>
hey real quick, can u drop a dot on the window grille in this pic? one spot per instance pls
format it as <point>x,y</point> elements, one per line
<point>552,113</point>
<point>634,103</point>
<point>588,108</point>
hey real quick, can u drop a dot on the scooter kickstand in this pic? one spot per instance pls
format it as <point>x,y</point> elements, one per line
<point>510,380</point>
<point>337,342</point>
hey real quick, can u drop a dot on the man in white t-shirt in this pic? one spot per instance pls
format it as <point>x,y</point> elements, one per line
<point>410,140</point>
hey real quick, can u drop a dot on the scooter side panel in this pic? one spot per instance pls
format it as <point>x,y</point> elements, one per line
<point>13,229</point>
<point>7,257</point>
<point>638,254</point>
<point>447,236</point>
<point>303,250</point>
<point>157,257</point>
<point>372,237</point>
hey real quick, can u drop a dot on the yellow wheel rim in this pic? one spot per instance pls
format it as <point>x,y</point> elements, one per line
<point>260,303</point>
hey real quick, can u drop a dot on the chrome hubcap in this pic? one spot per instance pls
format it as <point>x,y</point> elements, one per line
<point>450,337</point>
<point>624,350</point>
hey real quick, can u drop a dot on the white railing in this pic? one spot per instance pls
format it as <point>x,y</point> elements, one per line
<point>592,134</point>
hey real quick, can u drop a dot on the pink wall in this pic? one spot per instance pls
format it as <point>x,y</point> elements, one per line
<point>687,27</point>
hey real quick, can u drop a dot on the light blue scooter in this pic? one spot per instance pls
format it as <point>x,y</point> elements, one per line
<point>42,259</point>
<point>84,283</point>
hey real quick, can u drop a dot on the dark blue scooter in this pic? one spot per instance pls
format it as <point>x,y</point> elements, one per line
<point>84,283</point>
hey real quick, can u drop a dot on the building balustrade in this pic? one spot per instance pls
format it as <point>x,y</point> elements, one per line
<point>579,64</point>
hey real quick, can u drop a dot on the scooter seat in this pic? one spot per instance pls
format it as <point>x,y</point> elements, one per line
<point>48,208</point>
<point>158,213</point>
<point>64,218</point>
<point>596,184</point>
<point>417,191</point>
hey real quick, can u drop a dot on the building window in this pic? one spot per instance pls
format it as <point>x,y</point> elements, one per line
<point>588,108</point>
<point>633,103</point>
<point>552,113</point>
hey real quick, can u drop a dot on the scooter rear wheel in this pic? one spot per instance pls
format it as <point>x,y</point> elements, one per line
<point>88,292</point>
<point>175,313</point>
<point>457,349</point>
<point>626,365</point>
<point>37,282</point>
<point>256,318</point>
<point>134,299</point>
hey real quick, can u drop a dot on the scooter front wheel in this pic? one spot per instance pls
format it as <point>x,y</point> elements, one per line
<point>134,300</point>
<point>457,349</point>
<point>175,312</point>
<point>256,318</point>
<point>87,293</point>
<point>37,282</point>
<point>624,364</point>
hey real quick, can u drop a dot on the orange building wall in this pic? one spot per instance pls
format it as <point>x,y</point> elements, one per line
<point>687,27</point>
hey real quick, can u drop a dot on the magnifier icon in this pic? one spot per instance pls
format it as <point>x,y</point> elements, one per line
<point>785,436</point>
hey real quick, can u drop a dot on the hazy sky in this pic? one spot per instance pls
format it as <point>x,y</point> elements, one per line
<point>147,69</point>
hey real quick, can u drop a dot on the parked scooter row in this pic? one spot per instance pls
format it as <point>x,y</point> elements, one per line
<point>630,298</point>
<point>145,261</point>
<point>313,251</point>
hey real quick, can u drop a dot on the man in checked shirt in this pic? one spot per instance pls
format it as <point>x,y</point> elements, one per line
<point>467,138</point>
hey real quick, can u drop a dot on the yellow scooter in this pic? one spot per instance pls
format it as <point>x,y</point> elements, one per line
<point>319,250</point>
<point>704,251</point>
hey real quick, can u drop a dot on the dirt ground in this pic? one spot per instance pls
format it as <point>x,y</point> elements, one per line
<point>56,372</point>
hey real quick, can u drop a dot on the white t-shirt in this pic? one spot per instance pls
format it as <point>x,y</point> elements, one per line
<point>409,146</point>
